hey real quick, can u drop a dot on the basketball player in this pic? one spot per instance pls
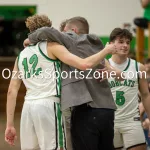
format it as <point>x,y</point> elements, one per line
<point>128,129</point>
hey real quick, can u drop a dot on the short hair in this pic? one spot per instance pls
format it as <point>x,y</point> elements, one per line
<point>37,21</point>
<point>81,23</point>
<point>62,25</point>
<point>121,33</point>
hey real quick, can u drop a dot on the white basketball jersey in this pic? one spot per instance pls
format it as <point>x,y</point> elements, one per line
<point>125,93</point>
<point>39,73</point>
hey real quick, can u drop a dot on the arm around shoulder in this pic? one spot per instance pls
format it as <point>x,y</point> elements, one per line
<point>51,35</point>
<point>65,56</point>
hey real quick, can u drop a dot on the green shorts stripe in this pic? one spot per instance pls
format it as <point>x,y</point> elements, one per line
<point>60,130</point>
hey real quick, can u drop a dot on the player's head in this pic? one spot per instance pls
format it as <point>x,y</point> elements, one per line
<point>37,21</point>
<point>120,33</point>
<point>62,25</point>
<point>122,39</point>
<point>77,24</point>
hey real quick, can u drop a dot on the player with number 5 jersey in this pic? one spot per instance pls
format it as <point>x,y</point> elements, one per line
<point>125,92</point>
<point>128,132</point>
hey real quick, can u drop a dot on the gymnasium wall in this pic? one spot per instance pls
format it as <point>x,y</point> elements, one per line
<point>103,15</point>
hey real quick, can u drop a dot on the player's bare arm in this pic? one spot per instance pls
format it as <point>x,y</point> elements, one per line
<point>60,52</point>
<point>10,132</point>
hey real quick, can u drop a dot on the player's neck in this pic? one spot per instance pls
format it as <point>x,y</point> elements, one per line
<point>119,59</point>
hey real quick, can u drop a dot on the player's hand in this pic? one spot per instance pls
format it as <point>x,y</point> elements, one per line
<point>10,135</point>
<point>146,124</point>
<point>103,74</point>
<point>26,42</point>
<point>111,48</point>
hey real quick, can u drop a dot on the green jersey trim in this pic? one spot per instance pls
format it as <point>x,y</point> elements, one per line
<point>60,132</point>
<point>127,65</point>
<point>136,67</point>
<point>57,66</point>
<point>53,60</point>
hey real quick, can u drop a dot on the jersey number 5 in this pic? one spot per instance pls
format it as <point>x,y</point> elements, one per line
<point>120,99</point>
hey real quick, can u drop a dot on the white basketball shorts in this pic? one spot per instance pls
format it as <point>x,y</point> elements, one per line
<point>42,126</point>
<point>128,134</point>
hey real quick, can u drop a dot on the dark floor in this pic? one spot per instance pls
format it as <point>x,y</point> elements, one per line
<point>3,144</point>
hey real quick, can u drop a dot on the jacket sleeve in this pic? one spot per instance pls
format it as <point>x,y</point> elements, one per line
<point>95,41</point>
<point>51,35</point>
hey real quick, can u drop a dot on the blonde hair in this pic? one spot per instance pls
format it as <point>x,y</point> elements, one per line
<point>37,21</point>
<point>62,25</point>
